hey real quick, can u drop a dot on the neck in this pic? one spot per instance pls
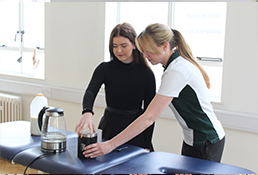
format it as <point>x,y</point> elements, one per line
<point>167,56</point>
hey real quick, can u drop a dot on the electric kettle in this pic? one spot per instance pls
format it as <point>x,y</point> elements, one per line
<point>53,129</point>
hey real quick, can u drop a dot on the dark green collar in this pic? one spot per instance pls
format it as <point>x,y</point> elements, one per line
<point>172,57</point>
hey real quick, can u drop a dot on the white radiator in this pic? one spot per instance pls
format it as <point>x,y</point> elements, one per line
<point>10,108</point>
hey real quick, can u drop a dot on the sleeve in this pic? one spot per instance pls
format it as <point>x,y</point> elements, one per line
<point>172,83</point>
<point>92,90</point>
<point>150,91</point>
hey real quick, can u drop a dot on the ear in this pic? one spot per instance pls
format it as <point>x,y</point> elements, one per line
<point>134,47</point>
<point>166,46</point>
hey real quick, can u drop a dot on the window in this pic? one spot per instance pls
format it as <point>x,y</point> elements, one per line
<point>22,39</point>
<point>202,24</point>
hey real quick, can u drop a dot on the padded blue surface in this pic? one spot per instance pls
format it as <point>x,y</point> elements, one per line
<point>16,143</point>
<point>15,137</point>
<point>169,163</point>
<point>68,163</point>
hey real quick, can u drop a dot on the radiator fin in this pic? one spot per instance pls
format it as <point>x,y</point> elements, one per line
<point>10,108</point>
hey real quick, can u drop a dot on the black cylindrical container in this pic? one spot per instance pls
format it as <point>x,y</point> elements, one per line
<point>85,141</point>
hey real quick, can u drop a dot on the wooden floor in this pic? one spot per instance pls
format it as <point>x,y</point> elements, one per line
<point>6,167</point>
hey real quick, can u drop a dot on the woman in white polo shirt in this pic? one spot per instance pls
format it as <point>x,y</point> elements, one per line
<point>184,88</point>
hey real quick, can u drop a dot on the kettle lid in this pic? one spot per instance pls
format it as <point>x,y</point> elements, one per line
<point>55,112</point>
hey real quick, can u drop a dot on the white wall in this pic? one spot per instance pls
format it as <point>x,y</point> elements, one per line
<point>74,42</point>
<point>241,59</point>
<point>74,46</point>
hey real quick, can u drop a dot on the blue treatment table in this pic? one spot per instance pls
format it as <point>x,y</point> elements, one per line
<point>68,163</point>
<point>18,145</point>
<point>15,137</point>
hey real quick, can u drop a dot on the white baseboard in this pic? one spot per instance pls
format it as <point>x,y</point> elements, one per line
<point>229,119</point>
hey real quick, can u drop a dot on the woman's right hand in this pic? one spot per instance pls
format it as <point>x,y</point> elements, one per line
<point>86,121</point>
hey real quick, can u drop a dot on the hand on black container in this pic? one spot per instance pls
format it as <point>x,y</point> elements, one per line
<point>86,121</point>
<point>98,149</point>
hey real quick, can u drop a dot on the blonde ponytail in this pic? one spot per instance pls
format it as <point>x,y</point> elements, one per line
<point>184,50</point>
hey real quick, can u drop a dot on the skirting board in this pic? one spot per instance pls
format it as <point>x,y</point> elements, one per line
<point>229,119</point>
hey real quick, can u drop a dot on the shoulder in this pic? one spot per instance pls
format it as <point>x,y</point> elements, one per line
<point>146,71</point>
<point>143,68</point>
<point>183,66</point>
<point>104,65</point>
<point>179,63</point>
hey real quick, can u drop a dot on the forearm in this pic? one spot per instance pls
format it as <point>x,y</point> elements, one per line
<point>88,99</point>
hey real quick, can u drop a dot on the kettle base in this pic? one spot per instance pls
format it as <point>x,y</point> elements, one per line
<point>53,147</point>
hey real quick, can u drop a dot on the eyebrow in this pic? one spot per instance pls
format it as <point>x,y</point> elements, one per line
<point>121,44</point>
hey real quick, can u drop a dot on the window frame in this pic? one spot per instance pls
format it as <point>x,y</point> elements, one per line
<point>21,48</point>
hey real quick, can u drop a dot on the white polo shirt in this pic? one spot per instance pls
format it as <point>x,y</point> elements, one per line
<point>191,103</point>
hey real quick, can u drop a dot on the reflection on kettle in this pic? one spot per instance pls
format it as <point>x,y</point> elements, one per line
<point>53,129</point>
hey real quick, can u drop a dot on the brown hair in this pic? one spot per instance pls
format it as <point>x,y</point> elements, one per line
<point>160,34</point>
<point>127,31</point>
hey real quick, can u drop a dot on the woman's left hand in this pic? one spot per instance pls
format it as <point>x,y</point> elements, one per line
<point>98,149</point>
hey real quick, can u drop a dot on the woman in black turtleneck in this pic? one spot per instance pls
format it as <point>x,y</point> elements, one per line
<point>129,88</point>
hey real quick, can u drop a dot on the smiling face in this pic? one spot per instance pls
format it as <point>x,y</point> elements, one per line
<point>123,48</point>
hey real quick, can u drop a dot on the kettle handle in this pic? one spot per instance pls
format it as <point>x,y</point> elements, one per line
<point>40,116</point>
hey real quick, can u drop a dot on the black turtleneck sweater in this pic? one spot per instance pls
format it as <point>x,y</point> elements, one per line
<point>128,87</point>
